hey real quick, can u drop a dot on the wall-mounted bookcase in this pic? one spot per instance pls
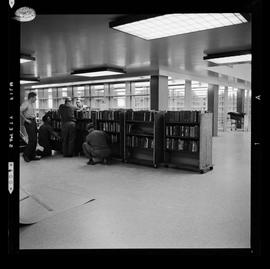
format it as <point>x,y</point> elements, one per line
<point>112,122</point>
<point>143,137</point>
<point>188,140</point>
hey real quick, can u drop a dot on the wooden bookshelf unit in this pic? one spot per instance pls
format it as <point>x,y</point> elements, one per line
<point>188,140</point>
<point>112,122</point>
<point>143,137</point>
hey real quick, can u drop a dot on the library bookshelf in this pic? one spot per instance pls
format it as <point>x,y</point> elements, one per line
<point>188,140</point>
<point>112,123</point>
<point>143,135</point>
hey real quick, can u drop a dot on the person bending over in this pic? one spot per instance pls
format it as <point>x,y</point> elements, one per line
<point>96,146</point>
<point>44,136</point>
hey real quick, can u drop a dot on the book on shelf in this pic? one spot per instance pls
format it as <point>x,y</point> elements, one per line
<point>140,142</point>
<point>182,131</point>
<point>177,144</point>
<point>114,138</point>
<point>183,116</point>
<point>141,115</point>
<point>108,115</point>
<point>109,126</point>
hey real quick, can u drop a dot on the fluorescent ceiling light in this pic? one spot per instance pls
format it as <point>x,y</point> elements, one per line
<point>25,81</point>
<point>91,82</point>
<point>175,24</point>
<point>28,80</point>
<point>98,72</point>
<point>232,59</point>
<point>229,57</point>
<point>26,58</point>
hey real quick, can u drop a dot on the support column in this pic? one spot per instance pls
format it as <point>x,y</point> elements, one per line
<point>240,102</point>
<point>225,111</point>
<point>188,95</point>
<point>159,92</point>
<point>212,103</point>
<point>128,93</point>
<point>106,104</point>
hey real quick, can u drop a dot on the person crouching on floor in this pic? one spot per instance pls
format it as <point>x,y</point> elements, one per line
<point>96,146</point>
<point>45,133</point>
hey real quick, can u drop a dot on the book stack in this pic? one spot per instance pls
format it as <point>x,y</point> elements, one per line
<point>177,144</point>
<point>84,114</point>
<point>182,131</point>
<point>142,115</point>
<point>183,116</point>
<point>114,138</point>
<point>140,142</point>
<point>108,115</point>
<point>109,126</point>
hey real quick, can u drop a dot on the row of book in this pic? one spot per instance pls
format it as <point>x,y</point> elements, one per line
<point>108,115</point>
<point>174,144</point>
<point>56,124</point>
<point>84,114</point>
<point>141,115</point>
<point>184,116</point>
<point>182,131</point>
<point>140,142</point>
<point>109,126</point>
<point>114,138</point>
<point>81,125</point>
<point>55,115</point>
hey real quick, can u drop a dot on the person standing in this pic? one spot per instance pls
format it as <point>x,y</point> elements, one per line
<point>27,112</point>
<point>68,131</point>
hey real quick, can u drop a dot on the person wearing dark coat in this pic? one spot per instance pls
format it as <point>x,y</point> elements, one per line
<point>68,130</point>
<point>45,133</point>
<point>96,147</point>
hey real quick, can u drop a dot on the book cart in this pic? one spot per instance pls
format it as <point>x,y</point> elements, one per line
<point>143,137</point>
<point>188,140</point>
<point>83,117</point>
<point>56,125</point>
<point>112,122</point>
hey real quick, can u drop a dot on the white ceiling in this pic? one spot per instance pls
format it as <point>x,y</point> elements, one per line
<point>62,43</point>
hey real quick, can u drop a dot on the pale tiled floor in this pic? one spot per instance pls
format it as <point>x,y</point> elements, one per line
<point>144,207</point>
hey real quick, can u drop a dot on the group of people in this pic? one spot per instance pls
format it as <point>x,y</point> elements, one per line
<point>96,146</point>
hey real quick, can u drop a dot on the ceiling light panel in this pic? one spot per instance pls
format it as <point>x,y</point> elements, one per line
<point>175,24</point>
<point>232,59</point>
<point>98,74</point>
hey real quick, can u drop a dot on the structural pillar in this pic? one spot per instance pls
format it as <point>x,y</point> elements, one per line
<point>159,93</point>
<point>188,95</point>
<point>128,94</point>
<point>240,104</point>
<point>225,111</point>
<point>212,106</point>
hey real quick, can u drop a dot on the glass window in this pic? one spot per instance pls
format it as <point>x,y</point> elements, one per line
<point>199,95</point>
<point>221,120</point>
<point>141,88</point>
<point>232,99</point>
<point>140,99</point>
<point>176,98</point>
<point>118,89</point>
<point>97,90</point>
<point>80,91</point>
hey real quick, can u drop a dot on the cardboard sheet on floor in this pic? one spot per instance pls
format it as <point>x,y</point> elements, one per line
<point>44,201</point>
<point>23,195</point>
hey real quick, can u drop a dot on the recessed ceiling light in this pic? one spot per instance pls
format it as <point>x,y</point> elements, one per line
<point>98,72</point>
<point>175,24</point>
<point>229,57</point>
<point>26,58</point>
